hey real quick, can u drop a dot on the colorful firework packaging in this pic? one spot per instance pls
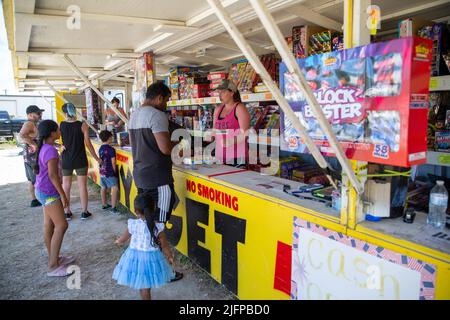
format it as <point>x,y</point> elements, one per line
<point>375,98</point>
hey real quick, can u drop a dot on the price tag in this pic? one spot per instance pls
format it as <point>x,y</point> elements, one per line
<point>381,151</point>
<point>268,96</point>
<point>433,83</point>
<point>444,159</point>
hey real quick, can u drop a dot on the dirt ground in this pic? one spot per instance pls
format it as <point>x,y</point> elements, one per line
<point>23,257</point>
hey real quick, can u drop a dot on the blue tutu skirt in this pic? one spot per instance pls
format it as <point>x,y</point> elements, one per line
<point>143,269</point>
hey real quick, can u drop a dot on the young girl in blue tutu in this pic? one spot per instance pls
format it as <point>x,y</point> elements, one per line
<point>143,265</point>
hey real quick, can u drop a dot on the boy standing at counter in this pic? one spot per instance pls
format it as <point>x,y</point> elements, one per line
<point>108,177</point>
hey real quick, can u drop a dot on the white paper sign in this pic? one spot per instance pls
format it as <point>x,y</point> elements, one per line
<point>327,269</point>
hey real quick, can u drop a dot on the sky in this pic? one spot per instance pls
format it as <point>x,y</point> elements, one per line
<point>6,70</point>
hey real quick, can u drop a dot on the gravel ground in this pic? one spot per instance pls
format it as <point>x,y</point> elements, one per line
<point>24,257</point>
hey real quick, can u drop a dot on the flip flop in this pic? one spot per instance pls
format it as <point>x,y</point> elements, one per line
<point>178,276</point>
<point>66,260</point>
<point>60,271</point>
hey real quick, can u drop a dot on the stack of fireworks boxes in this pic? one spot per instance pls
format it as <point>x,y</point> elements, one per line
<point>271,63</point>
<point>187,83</point>
<point>243,75</point>
<point>440,35</point>
<point>215,79</point>
<point>311,40</point>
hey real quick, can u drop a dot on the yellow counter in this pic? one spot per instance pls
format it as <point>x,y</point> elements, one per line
<point>264,244</point>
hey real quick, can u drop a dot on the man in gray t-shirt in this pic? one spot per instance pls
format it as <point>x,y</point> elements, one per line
<point>149,127</point>
<point>151,148</point>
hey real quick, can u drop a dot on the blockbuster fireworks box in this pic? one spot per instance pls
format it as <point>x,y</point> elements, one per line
<point>375,98</point>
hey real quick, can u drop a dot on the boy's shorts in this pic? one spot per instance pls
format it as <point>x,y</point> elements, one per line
<point>46,199</point>
<point>108,182</point>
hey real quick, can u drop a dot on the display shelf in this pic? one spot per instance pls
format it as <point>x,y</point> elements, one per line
<point>184,108</point>
<point>190,102</point>
<point>246,97</point>
<point>273,141</point>
<point>438,158</point>
<point>255,97</point>
<point>441,83</point>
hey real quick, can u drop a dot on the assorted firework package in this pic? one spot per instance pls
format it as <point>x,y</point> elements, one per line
<point>93,107</point>
<point>187,83</point>
<point>246,78</point>
<point>439,121</point>
<point>439,33</point>
<point>375,98</point>
<point>312,40</point>
<point>144,76</point>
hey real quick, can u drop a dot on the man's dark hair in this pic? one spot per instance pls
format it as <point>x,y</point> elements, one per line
<point>115,99</point>
<point>105,135</point>
<point>159,88</point>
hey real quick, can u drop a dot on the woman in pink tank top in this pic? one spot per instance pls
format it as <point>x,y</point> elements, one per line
<point>231,122</point>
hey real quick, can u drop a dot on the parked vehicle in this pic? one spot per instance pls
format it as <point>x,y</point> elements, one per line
<point>9,126</point>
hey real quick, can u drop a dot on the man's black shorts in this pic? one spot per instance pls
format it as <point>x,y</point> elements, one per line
<point>164,199</point>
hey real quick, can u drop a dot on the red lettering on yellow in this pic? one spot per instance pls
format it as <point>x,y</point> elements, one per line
<point>235,204</point>
<point>213,195</point>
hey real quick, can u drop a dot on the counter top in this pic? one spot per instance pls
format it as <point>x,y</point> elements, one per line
<point>418,232</point>
<point>268,187</point>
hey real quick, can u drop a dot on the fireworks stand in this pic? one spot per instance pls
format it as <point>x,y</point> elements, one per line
<point>356,121</point>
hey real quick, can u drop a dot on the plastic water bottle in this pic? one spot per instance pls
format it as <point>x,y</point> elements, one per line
<point>438,205</point>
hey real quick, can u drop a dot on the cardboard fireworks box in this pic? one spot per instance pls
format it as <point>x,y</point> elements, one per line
<point>443,141</point>
<point>440,35</point>
<point>411,26</point>
<point>93,107</point>
<point>375,98</point>
<point>300,40</point>
<point>176,71</point>
<point>200,90</point>
<point>287,165</point>
<point>218,75</point>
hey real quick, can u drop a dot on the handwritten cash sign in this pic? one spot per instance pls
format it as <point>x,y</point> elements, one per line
<point>330,265</point>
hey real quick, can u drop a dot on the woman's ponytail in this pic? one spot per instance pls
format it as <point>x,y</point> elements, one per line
<point>36,165</point>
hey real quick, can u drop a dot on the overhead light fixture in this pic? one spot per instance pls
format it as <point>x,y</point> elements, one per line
<point>126,55</point>
<point>200,53</point>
